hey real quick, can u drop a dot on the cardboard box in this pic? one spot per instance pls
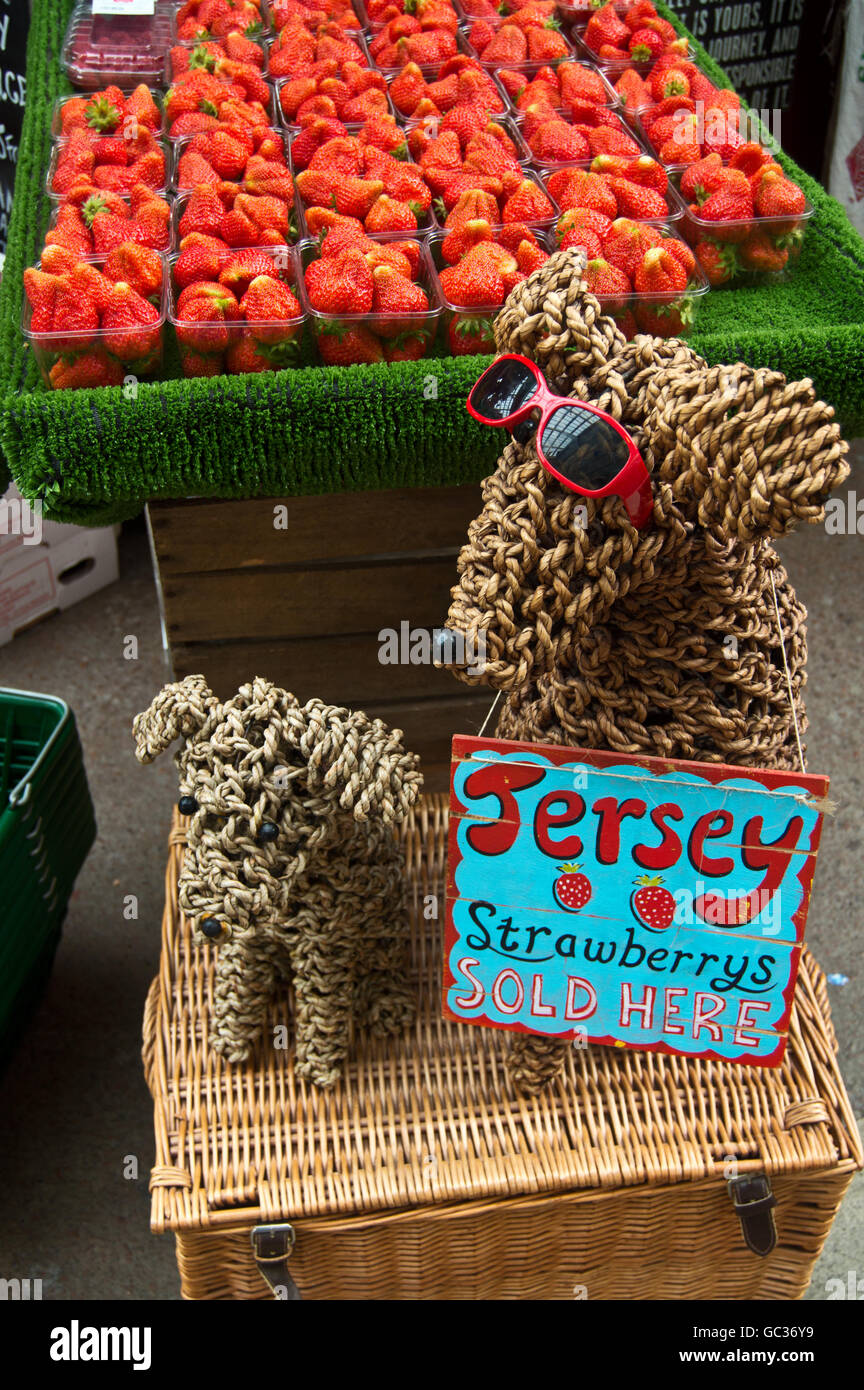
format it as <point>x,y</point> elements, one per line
<point>45,566</point>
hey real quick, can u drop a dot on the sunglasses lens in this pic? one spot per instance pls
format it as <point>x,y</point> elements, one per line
<point>583,449</point>
<point>502,390</point>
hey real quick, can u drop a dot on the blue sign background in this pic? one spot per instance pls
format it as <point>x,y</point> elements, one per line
<point>530,933</point>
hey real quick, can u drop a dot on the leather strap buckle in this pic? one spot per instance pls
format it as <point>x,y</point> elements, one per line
<point>273,1247</point>
<point>754,1201</point>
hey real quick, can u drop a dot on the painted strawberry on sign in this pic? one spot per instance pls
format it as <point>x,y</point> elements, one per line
<point>652,904</point>
<point>572,889</point>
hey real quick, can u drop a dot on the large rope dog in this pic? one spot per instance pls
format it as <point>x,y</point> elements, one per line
<point>291,863</point>
<point>664,641</point>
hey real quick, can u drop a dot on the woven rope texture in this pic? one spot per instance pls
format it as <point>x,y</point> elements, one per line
<point>291,861</point>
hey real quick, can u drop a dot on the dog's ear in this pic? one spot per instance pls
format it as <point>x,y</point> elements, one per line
<point>361,760</point>
<point>178,711</point>
<point>747,453</point>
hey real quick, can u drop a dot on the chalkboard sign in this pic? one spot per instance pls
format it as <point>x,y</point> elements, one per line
<point>14,24</point>
<point>755,42</point>
<point>641,902</point>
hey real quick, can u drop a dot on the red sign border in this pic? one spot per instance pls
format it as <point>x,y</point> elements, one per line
<point>463,745</point>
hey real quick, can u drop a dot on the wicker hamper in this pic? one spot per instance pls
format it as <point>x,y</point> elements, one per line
<point>423,1176</point>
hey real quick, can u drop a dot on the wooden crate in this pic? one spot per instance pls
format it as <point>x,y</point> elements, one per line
<point>302,602</point>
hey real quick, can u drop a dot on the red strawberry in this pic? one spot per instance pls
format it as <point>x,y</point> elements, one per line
<point>395,294</point>
<point>471,283</point>
<point>468,336</point>
<point>528,204</point>
<point>720,263</point>
<point>340,285</point>
<point>761,252</point>
<point>659,273</point>
<point>139,266</point>
<point>652,905</point>
<point>557,142</point>
<point>577,188</point>
<point>644,45</point>
<point>626,241</point>
<point>132,324</point>
<point>204,311</point>
<point>93,368</point>
<point>572,890</point>
<point>702,178</point>
<point>608,283</point>
<point>341,345</point>
<point>636,201</point>
<point>778,196</point>
<point>267,301</point>
<point>201,258</point>
<point>390,215</point>
<point>239,270</point>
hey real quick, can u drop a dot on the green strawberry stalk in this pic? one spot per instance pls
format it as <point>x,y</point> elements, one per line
<point>201,57</point>
<point>92,207</point>
<point>103,115</point>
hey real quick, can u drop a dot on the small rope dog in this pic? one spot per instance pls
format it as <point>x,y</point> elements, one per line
<point>291,862</point>
<point>661,641</point>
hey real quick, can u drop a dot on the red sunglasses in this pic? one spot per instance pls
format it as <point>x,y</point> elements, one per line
<point>579,444</point>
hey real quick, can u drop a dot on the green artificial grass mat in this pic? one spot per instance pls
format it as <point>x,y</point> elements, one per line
<point>94,456</point>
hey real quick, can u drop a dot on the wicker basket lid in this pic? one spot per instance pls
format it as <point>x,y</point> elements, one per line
<point>429,1118</point>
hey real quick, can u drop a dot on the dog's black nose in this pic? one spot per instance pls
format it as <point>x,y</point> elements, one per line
<point>211,927</point>
<point>268,832</point>
<point>187,805</point>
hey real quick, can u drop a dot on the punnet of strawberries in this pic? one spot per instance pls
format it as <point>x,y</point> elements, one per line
<point>572,89</point>
<point>371,299</point>
<point>690,116</point>
<point>208,54</point>
<point>215,19</point>
<point>381,131</point>
<point>407,39</point>
<point>116,162</point>
<point>644,276</point>
<point>479,264</point>
<point>315,13</point>
<point>744,218</point>
<point>237,218</point>
<point>100,49</point>
<point>91,324</point>
<point>638,35</point>
<point>460,81</point>
<point>613,186</point>
<point>255,158</point>
<point>296,47</point>
<point>496,9</point>
<point>474,157</point>
<point>555,141</point>
<point>234,93</point>
<point>235,311</point>
<point>529,36</point>
<point>326,91</point>
<point>93,221</point>
<point>359,180</point>
<point>430,13</point>
<point>109,112</point>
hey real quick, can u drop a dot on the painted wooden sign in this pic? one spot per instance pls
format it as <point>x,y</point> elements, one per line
<point>632,901</point>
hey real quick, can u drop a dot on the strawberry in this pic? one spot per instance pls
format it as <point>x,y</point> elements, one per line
<point>608,283</point>
<point>389,215</point>
<point>646,171</point>
<point>395,294</point>
<point>556,142</point>
<point>625,243</point>
<point>546,45</point>
<point>644,45</point>
<point>463,236</point>
<point>584,240</point>
<point>582,218</point>
<point>572,890</point>
<point>132,323</point>
<point>41,290</point>
<point>720,263</point>
<point>702,178</point>
<point>659,272</point>
<point>203,213</point>
<point>761,252</point>
<point>204,311</point>
<point>572,188</point>
<point>142,109</point>
<point>201,258</point>
<point>243,356</point>
<point>105,111</point>
<point>341,285</point>
<point>636,201</point>
<point>239,269</point>
<point>268,301</point>
<point>201,364</point>
<point>509,46</point>
<point>341,345</point>
<point>528,204</point>
<point>729,206</point>
<point>778,196</point>
<point>139,266</point>
<point>472,284</point>
<point>652,905</point>
<point>468,336</point>
<point>682,253</point>
<point>749,158</point>
<point>92,368</point>
<point>633,92</point>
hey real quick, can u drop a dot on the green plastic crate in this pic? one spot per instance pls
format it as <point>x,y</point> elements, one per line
<point>46,829</point>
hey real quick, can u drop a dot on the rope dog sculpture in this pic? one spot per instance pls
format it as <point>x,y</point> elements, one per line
<point>291,863</point>
<point>663,641</point>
